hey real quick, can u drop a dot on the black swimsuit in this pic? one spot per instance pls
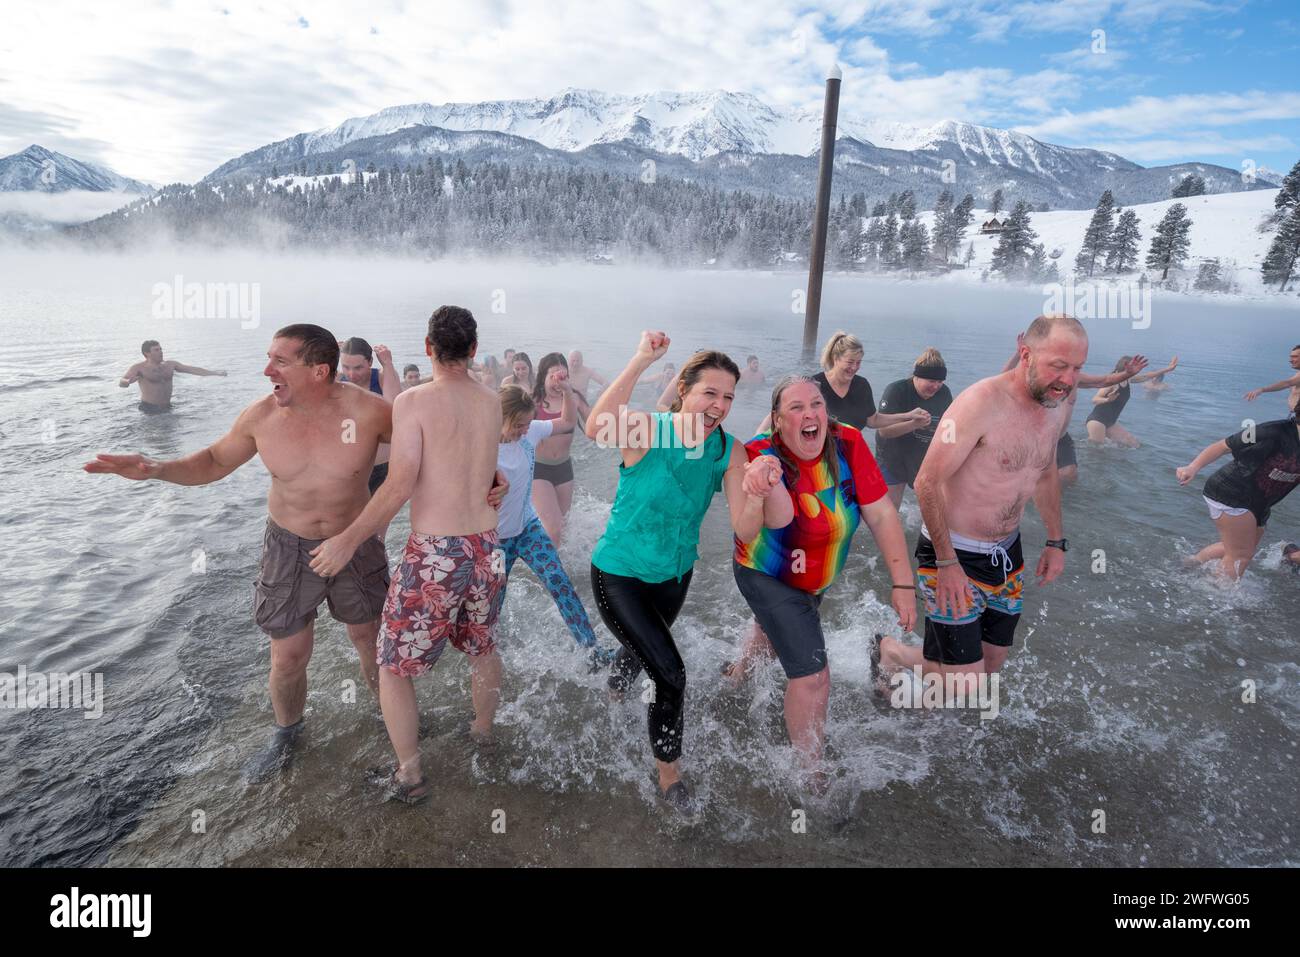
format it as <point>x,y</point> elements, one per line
<point>1108,413</point>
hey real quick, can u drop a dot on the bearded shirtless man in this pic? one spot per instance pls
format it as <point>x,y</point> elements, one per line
<point>1067,463</point>
<point>452,567</point>
<point>995,449</point>
<point>318,438</point>
<point>155,377</point>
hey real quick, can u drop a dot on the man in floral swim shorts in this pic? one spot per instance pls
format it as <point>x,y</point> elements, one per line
<point>444,458</point>
<point>444,591</point>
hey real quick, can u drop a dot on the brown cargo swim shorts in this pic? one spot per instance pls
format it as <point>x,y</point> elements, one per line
<point>288,591</point>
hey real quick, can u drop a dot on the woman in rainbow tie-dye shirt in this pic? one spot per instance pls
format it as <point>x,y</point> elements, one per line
<point>834,483</point>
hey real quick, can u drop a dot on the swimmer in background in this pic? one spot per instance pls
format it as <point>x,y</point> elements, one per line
<point>155,377</point>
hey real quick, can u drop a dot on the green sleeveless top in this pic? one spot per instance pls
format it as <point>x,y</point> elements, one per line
<point>654,526</point>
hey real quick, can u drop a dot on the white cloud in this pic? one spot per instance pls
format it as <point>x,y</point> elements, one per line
<point>70,206</point>
<point>1188,148</point>
<point>1146,115</point>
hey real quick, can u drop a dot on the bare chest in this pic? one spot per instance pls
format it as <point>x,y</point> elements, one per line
<point>329,448</point>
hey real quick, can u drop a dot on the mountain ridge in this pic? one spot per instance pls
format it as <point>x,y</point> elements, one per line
<point>717,136</point>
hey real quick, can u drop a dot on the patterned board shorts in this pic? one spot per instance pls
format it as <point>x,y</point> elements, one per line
<point>446,589</point>
<point>996,590</point>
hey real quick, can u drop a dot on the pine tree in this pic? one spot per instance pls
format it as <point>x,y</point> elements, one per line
<point>1190,185</point>
<point>1122,255</point>
<point>942,214</point>
<point>1097,237</point>
<point>915,241</point>
<point>889,241</point>
<point>1280,262</point>
<point>949,230</point>
<point>1170,244</point>
<point>1288,197</point>
<point>1015,244</point>
<point>907,204</point>
<point>996,204</point>
<point>1040,268</point>
<point>872,239</point>
<point>878,210</point>
<point>1209,277</point>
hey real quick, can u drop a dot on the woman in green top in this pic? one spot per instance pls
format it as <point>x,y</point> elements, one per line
<point>673,464</point>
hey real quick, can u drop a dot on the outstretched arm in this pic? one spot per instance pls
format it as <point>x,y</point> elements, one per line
<point>1173,364</point>
<point>201,468</point>
<point>1131,368</point>
<point>1290,383</point>
<point>196,370</point>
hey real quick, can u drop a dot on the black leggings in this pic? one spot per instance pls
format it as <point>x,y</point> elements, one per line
<point>640,615</point>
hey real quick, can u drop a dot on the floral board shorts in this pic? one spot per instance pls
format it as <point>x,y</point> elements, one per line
<point>445,589</point>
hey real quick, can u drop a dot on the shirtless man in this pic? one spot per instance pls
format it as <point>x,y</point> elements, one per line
<point>752,376</point>
<point>155,377</point>
<point>581,377</point>
<point>1293,383</point>
<point>1067,463</point>
<point>973,490</point>
<point>356,365</point>
<point>317,438</point>
<point>452,568</point>
<point>410,376</point>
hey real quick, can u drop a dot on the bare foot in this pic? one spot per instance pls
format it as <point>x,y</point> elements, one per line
<point>736,673</point>
<point>817,782</point>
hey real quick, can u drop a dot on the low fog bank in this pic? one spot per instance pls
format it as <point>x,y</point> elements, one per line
<point>63,208</point>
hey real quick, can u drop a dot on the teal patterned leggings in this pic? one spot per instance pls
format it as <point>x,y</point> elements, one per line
<point>534,546</point>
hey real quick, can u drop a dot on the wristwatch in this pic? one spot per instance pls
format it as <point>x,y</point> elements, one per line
<point>1062,543</point>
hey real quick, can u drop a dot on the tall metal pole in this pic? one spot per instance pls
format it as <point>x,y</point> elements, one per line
<point>817,259</point>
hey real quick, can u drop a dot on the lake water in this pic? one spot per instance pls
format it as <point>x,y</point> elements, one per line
<point>1124,693</point>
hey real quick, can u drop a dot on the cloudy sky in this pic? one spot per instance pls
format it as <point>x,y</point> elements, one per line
<point>166,91</point>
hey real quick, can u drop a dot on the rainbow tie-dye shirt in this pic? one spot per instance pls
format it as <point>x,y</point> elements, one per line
<point>809,552</point>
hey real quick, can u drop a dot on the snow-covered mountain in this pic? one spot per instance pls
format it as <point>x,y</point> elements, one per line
<point>40,188</point>
<point>694,125</point>
<point>732,140</point>
<point>37,169</point>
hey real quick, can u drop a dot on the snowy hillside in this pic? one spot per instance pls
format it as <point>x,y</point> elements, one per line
<point>1223,227</point>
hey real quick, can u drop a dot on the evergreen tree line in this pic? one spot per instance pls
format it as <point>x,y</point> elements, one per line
<point>438,208</point>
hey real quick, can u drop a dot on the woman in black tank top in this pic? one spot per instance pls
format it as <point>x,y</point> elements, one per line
<point>1109,403</point>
